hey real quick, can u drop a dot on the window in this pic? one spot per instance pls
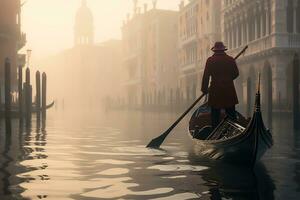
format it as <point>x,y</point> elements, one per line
<point>197,8</point>
<point>17,19</point>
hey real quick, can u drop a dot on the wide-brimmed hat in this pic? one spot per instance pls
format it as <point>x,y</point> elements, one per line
<point>219,46</point>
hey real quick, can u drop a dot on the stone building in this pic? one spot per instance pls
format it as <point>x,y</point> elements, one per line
<point>199,27</point>
<point>11,39</point>
<point>150,55</point>
<point>271,29</point>
<point>91,72</point>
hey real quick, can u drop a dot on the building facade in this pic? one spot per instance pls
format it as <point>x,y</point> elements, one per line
<point>271,29</point>
<point>150,56</point>
<point>199,28</point>
<point>11,39</point>
<point>91,72</point>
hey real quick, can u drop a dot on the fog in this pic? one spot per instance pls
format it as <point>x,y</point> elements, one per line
<point>122,74</point>
<point>85,75</point>
<point>153,62</point>
<point>49,24</point>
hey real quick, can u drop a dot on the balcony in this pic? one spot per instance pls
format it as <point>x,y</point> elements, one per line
<point>22,41</point>
<point>277,40</point>
<point>255,46</point>
<point>186,40</point>
<point>133,81</point>
<point>22,59</point>
<point>189,67</point>
<point>291,40</point>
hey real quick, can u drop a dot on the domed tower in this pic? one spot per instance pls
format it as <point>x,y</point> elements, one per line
<point>84,26</point>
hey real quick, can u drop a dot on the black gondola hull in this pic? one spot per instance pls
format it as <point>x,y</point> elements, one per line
<point>231,141</point>
<point>245,151</point>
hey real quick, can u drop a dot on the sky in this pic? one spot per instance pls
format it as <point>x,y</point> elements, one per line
<point>49,23</point>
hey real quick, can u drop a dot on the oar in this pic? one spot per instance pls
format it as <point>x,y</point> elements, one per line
<point>156,142</point>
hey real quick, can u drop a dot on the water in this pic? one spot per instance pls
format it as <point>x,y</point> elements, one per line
<point>95,155</point>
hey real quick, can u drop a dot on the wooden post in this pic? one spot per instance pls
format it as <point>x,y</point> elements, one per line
<point>7,88</point>
<point>30,99</point>
<point>28,102</point>
<point>38,100</point>
<point>44,94</point>
<point>0,95</point>
<point>296,109</point>
<point>249,97</point>
<point>20,90</point>
<point>38,91</point>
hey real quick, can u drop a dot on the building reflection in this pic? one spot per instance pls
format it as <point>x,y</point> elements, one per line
<point>9,154</point>
<point>297,164</point>
<point>7,159</point>
<point>18,144</point>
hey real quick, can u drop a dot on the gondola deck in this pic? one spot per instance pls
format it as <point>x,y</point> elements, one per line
<point>241,141</point>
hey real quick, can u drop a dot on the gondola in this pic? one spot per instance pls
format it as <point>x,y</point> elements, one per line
<point>15,109</point>
<point>239,141</point>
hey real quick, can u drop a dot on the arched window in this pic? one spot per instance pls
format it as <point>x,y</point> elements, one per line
<point>290,17</point>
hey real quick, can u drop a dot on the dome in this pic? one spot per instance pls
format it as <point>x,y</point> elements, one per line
<point>84,14</point>
<point>84,27</point>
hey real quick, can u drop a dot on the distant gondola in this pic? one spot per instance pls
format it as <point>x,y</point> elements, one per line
<point>236,141</point>
<point>15,109</point>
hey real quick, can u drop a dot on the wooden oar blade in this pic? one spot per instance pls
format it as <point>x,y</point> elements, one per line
<point>156,142</point>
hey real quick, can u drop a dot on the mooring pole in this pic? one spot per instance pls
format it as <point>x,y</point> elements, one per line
<point>20,90</point>
<point>44,94</point>
<point>0,95</point>
<point>28,102</point>
<point>296,110</point>
<point>38,91</point>
<point>7,89</point>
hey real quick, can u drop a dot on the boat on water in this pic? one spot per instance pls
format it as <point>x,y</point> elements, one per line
<point>15,109</point>
<point>241,141</point>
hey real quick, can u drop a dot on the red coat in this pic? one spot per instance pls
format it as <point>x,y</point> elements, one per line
<point>223,70</point>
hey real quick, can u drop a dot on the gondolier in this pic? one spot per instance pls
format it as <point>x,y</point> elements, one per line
<point>222,69</point>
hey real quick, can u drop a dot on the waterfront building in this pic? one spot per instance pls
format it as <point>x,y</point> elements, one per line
<point>271,29</point>
<point>11,39</point>
<point>199,27</point>
<point>93,70</point>
<point>150,55</point>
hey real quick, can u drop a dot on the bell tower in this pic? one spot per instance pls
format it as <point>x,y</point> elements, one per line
<point>84,26</point>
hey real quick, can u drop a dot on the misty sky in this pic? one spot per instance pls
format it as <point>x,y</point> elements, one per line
<point>49,23</point>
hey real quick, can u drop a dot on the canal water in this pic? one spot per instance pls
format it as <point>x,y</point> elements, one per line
<point>102,155</point>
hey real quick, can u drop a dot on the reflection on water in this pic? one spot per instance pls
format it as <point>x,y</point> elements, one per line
<point>102,156</point>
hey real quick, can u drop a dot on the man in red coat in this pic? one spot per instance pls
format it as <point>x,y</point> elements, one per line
<point>222,70</point>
